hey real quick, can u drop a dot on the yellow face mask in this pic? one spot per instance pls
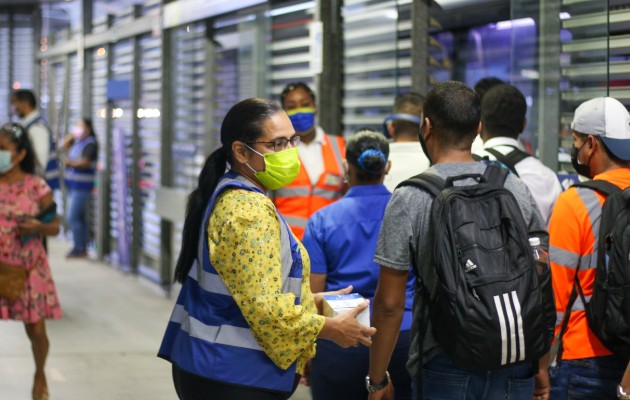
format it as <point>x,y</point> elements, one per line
<point>281,168</point>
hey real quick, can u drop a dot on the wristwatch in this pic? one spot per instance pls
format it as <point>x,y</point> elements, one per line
<point>375,388</point>
<point>621,394</point>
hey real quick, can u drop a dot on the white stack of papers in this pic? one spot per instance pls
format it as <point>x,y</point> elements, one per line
<point>338,303</point>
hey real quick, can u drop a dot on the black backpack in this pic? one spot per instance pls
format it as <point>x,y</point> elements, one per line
<point>486,303</point>
<point>608,311</point>
<point>509,160</point>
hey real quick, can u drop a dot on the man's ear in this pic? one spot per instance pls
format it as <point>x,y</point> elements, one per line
<point>344,164</point>
<point>391,130</point>
<point>388,166</point>
<point>425,129</point>
<point>240,152</point>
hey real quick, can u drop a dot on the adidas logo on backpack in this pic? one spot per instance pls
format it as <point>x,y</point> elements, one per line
<point>486,313</point>
<point>470,266</point>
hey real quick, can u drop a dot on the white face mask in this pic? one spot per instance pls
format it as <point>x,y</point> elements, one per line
<point>5,161</point>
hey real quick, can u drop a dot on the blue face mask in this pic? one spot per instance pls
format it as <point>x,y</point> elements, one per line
<point>302,119</point>
<point>5,161</point>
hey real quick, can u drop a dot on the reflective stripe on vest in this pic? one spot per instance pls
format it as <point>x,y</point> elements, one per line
<point>51,173</point>
<point>77,178</point>
<point>298,201</point>
<point>207,334</point>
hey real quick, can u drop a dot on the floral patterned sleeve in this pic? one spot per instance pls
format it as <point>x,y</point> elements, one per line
<point>244,243</point>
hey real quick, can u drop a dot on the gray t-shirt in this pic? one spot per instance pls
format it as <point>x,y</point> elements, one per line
<point>405,231</point>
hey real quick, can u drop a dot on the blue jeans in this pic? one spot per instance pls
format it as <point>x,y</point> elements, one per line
<point>442,380</point>
<point>339,374</point>
<point>78,201</point>
<point>587,378</point>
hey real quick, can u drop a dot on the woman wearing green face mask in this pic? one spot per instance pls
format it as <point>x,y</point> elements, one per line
<point>245,321</point>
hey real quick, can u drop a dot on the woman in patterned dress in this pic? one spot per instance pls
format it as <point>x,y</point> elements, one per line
<point>22,196</point>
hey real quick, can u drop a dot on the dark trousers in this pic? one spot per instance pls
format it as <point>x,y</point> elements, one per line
<point>443,380</point>
<point>339,374</point>
<point>587,378</point>
<point>193,387</point>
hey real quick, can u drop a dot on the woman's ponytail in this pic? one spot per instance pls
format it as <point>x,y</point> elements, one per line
<point>212,171</point>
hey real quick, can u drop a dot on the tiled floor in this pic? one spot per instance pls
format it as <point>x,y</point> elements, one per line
<point>104,347</point>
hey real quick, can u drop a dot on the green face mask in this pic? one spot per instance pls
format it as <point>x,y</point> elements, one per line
<point>281,168</point>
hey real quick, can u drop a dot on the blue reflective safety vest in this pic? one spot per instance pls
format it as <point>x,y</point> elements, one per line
<point>52,167</point>
<point>207,334</point>
<point>76,178</point>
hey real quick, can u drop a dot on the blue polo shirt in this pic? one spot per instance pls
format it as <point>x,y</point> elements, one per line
<point>341,241</point>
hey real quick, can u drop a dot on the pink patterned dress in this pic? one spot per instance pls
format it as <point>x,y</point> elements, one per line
<point>39,298</point>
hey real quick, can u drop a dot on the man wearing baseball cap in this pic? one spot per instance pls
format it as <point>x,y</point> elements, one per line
<point>601,150</point>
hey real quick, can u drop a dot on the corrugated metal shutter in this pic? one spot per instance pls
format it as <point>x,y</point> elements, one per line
<point>290,44</point>
<point>22,53</point>
<point>149,122</point>
<point>237,63</point>
<point>190,75</point>
<point>121,221</point>
<point>377,60</point>
<point>5,79</point>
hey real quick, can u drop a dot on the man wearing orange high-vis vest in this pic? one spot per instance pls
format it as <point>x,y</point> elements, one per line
<point>320,181</point>
<point>585,368</point>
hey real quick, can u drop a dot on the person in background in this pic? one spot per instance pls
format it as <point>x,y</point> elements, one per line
<point>481,88</point>
<point>245,321</point>
<point>341,240</point>
<point>405,153</point>
<point>24,195</point>
<point>320,180</point>
<point>601,151</point>
<point>24,105</point>
<point>81,150</point>
<point>503,111</point>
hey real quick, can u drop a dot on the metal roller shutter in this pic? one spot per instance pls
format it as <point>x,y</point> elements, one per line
<point>149,122</point>
<point>290,44</point>
<point>377,60</point>
<point>190,75</point>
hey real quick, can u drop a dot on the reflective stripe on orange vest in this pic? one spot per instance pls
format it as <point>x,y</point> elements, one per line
<point>573,233</point>
<point>298,201</point>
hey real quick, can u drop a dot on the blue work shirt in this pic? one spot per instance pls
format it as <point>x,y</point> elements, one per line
<point>341,241</point>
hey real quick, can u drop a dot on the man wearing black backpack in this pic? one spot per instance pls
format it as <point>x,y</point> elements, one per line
<point>503,111</point>
<point>478,330</point>
<point>589,251</point>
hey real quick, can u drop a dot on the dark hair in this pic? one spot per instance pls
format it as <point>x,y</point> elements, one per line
<point>486,84</point>
<point>291,87</point>
<point>503,111</point>
<point>90,126</point>
<point>27,96</point>
<point>368,150</point>
<point>19,137</point>
<point>408,103</point>
<point>244,123</point>
<point>454,111</point>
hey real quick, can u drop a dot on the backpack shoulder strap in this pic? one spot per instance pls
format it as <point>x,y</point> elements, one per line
<point>477,157</point>
<point>511,159</point>
<point>604,187</point>
<point>495,175</point>
<point>430,183</point>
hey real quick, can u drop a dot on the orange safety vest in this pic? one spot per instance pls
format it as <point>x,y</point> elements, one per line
<point>298,201</point>
<point>573,234</point>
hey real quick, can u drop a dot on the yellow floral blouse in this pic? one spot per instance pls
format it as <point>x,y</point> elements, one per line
<point>244,243</point>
